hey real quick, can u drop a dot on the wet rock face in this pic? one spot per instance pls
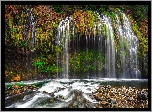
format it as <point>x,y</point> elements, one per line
<point>115,97</point>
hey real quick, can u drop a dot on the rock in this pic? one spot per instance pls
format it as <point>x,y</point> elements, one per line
<point>113,101</point>
<point>126,94</point>
<point>103,102</point>
<point>142,97</point>
<point>11,88</point>
<point>45,92</point>
<point>59,97</point>
<point>108,86</point>
<point>101,88</point>
<point>52,94</point>
<point>70,106</point>
<point>51,100</point>
<point>30,87</point>
<point>35,88</point>
<point>108,96</point>
<point>112,94</point>
<point>119,90</point>
<point>97,97</point>
<point>108,106</point>
<point>146,104</point>
<point>146,90</point>
<point>121,97</point>
<point>115,106</point>
<point>134,96</point>
<point>89,89</point>
<point>99,106</point>
<point>130,99</point>
<point>14,98</point>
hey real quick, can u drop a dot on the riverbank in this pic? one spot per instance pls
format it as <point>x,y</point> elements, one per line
<point>105,96</point>
<point>121,97</point>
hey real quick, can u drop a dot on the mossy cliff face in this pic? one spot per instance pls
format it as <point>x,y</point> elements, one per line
<point>25,60</point>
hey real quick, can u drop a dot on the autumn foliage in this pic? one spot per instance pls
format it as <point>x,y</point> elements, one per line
<point>17,78</point>
<point>22,57</point>
<point>84,21</point>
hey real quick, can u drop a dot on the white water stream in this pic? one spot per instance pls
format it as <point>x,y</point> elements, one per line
<point>73,90</point>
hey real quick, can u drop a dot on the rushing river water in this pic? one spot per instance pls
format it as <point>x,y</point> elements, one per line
<point>69,92</point>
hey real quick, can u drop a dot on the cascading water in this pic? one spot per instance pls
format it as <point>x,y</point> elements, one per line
<point>128,49</point>
<point>33,30</point>
<point>110,48</point>
<point>29,27</point>
<point>128,43</point>
<point>63,39</point>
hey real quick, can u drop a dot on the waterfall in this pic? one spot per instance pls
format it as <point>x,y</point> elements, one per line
<point>128,48</point>
<point>102,45</point>
<point>33,30</point>
<point>29,25</point>
<point>29,28</point>
<point>110,48</point>
<point>62,39</point>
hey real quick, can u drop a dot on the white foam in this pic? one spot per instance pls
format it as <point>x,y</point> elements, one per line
<point>34,99</point>
<point>70,98</point>
<point>66,80</point>
<point>64,93</point>
<point>50,87</point>
<point>84,87</point>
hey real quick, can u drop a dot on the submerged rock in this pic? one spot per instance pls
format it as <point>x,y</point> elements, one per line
<point>52,94</point>
<point>52,100</point>
<point>45,92</point>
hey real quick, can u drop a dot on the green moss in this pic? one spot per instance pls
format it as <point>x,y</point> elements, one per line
<point>57,8</point>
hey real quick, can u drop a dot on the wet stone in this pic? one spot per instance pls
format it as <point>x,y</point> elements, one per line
<point>60,97</point>
<point>108,86</point>
<point>113,101</point>
<point>45,92</point>
<point>121,97</point>
<point>115,106</point>
<point>98,106</point>
<point>97,97</point>
<point>126,94</point>
<point>52,94</point>
<point>142,97</point>
<point>103,102</point>
<point>134,88</point>
<point>108,96</point>
<point>51,100</point>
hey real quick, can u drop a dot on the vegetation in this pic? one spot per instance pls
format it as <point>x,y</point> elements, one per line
<point>78,62</point>
<point>26,58</point>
